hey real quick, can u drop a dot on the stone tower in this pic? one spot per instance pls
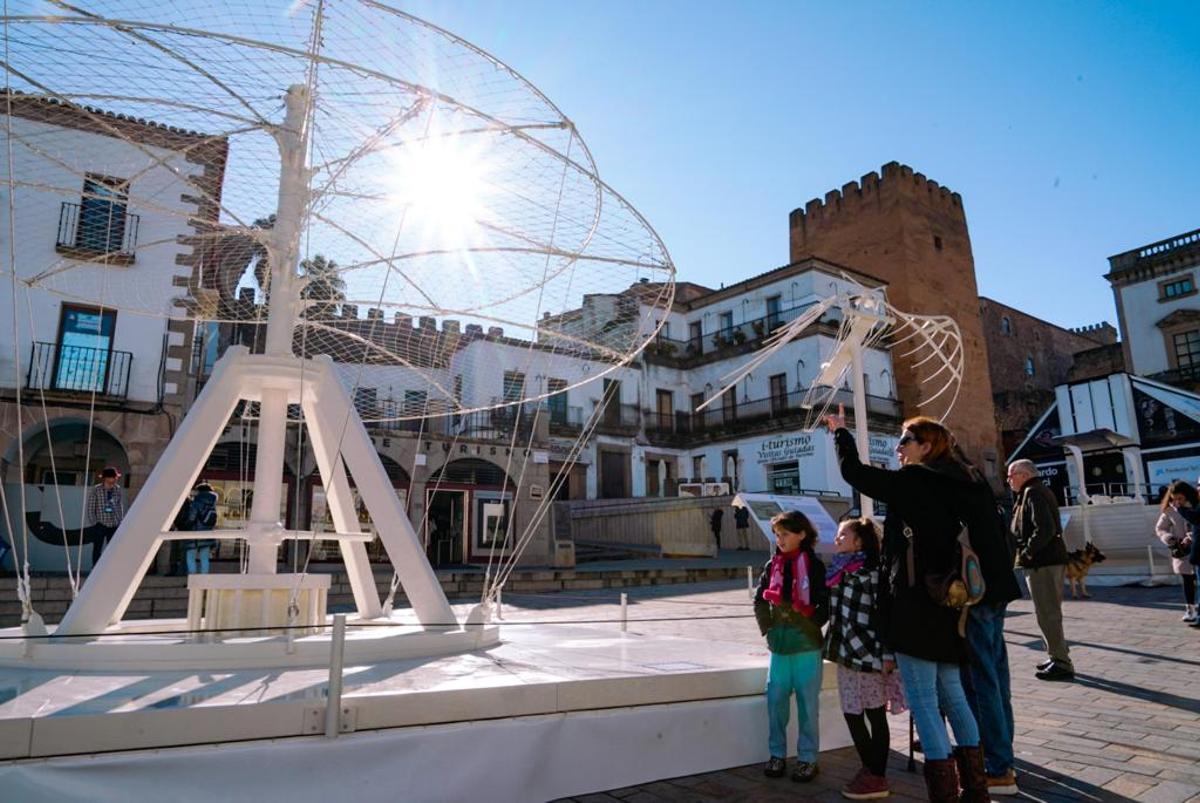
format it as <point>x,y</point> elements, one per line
<point>911,233</point>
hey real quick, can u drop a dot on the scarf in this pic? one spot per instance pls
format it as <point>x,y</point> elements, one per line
<point>844,563</point>
<point>800,592</point>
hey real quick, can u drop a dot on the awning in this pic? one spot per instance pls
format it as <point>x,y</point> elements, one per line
<point>1178,400</point>
<point>1096,440</point>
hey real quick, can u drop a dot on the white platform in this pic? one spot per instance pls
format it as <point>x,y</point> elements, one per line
<point>550,712</point>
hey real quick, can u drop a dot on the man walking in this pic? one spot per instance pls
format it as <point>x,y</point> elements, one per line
<point>1042,553</point>
<point>105,508</point>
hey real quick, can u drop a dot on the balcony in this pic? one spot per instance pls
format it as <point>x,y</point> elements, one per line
<point>724,341</point>
<point>679,426</point>
<point>564,420</point>
<point>103,232</point>
<point>618,419</point>
<point>60,368</point>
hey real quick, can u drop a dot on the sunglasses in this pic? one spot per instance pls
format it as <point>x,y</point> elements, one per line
<point>908,438</point>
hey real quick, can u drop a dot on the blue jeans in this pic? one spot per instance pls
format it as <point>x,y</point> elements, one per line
<point>190,556</point>
<point>989,692</point>
<point>933,688</point>
<point>799,673</point>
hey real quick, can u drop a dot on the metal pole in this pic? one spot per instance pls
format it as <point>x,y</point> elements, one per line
<point>337,655</point>
<point>861,433</point>
<point>1150,554</point>
<point>624,612</point>
<point>750,580</point>
<point>500,603</point>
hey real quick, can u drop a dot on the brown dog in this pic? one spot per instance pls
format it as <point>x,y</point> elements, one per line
<point>1079,563</point>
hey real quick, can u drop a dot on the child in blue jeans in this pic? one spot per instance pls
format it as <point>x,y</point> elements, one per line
<point>791,605</point>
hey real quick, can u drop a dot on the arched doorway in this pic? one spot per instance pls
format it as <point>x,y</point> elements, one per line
<point>321,520</point>
<point>61,462</point>
<point>469,507</point>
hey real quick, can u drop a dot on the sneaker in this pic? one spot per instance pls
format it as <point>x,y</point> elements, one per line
<point>805,771</point>
<point>1044,665</point>
<point>866,786</point>
<point>1056,671</point>
<point>1188,617</point>
<point>1005,784</point>
<point>775,767</point>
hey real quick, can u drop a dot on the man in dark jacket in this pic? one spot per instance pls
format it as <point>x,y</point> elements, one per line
<point>1042,553</point>
<point>986,676</point>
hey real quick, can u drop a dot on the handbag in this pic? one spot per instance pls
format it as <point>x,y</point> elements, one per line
<point>1178,550</point>
<point>960,587</point>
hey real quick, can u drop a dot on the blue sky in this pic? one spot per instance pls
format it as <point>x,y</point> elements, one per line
<point>1072,130</point>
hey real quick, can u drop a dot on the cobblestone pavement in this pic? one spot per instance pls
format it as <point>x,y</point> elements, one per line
<point>1127,729</point>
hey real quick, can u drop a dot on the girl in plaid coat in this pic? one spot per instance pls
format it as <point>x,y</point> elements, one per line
<point>867,683</point>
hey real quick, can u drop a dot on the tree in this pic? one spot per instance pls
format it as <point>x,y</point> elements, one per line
<point>324,283</point>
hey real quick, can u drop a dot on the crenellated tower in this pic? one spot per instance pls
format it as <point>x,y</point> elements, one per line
<point>912,233</point>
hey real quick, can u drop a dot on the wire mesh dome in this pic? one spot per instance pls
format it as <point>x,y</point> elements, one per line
<point>450,222</point>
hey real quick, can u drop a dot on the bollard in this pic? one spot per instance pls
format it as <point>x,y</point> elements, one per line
<point>500,604</point>
<point>337,655</point>
<point>624,612</point>
<point>1150,554</point>
<point>750,581</point>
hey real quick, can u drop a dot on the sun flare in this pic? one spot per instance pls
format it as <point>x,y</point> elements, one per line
<point>440,182</point>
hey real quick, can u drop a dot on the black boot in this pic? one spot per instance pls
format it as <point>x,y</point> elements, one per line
<point>971,774</point>
<point>941,780</point>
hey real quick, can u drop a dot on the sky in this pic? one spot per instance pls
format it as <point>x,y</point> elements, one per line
<point>1071,130</point>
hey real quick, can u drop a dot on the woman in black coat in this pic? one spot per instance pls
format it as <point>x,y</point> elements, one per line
<point>922,498</point>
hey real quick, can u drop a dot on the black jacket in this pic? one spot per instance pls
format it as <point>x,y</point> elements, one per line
<point>787,630</point>
<point>924,498</point>
<point>1037,528</point>
<point>977,508</point>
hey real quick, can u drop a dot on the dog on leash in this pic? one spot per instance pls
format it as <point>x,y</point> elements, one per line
<point>1079,563</point>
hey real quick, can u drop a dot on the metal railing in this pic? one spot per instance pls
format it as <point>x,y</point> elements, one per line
<point>618,418</point>
<point>746,412</point>
<point>79,369</point>
<point>728,336</point>
<point>563,418</point>
<point>110,232</point>
<point>1186,375</point>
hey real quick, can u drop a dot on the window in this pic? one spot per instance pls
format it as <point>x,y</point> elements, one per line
<point>1187,349</point>
<point>773,306</point>
<point>698,468</point>
<point>937,242</point>
<point>1030,369</point>
<point>1177,287</point>
<point>697,417</point>
<point>84,348</point>
<point>557,402</point>
<point>102,215</point>
<point>726,324</point>
<point>778,393</point>
<point>1005,325</point>
<point>514,386</point>
<point>696,336</point>
<point>414,402</point>
<point>365,400</point>
<point>664,409</point>
<point>729,409</point>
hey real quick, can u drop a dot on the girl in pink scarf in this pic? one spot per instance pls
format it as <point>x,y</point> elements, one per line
<point>791,605</point>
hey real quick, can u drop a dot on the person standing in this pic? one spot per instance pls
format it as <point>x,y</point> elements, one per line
<point>791,606</point>
<point>920,537</point>
<point>104,509</point>
<point>715,520</point>
<point>986,674</point>
<point>1042,553</point>
<point>201,517</point>
<point>1172,529</point>
<point>741,519</point>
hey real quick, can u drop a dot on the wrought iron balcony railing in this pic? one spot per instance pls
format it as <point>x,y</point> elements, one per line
<point>79,369</point>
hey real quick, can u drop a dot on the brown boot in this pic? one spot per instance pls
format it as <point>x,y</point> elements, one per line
<point>971,774</point>
<point>941,780</point>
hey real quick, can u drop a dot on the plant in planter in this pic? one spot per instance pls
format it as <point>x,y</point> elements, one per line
<point>718,341</point>
<point>760,329</point>
<point>739,336</point>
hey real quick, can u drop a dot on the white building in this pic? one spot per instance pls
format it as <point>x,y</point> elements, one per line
<point>105,212</point>
<point>1158,308</point>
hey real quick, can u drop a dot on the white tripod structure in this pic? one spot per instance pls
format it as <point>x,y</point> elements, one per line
<point>275,380</point>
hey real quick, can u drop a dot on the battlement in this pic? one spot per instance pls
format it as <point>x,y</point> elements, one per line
<point>896,178</point>
<point>1103,333</point>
